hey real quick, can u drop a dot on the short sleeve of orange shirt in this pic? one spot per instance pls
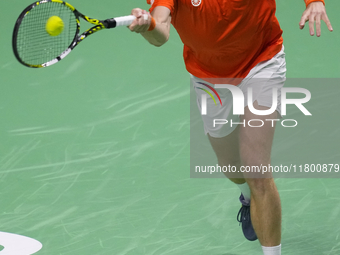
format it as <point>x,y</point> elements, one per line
<point>225,38</point>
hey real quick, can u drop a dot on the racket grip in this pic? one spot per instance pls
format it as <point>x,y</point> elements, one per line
<point>127,20</point>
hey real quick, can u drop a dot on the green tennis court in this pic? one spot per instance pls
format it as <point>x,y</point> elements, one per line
<point>95,150</point>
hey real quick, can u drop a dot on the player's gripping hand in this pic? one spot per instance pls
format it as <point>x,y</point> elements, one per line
<point>314,13</point>
<point>140,24</point>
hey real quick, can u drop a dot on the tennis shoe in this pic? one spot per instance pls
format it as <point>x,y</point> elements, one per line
<point>243,217</point>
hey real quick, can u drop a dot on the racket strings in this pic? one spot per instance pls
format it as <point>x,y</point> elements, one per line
<point>34,45</point>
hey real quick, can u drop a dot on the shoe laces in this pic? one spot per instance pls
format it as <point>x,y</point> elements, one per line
<point>243,214</point>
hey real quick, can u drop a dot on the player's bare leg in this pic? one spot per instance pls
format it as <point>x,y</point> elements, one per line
<point>255,149</point>
<point>252,146</point>
<point>227,152</point>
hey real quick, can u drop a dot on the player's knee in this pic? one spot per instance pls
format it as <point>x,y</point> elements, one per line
<point>260,186</point>
<point>232,170</point>
<point>255,161</point>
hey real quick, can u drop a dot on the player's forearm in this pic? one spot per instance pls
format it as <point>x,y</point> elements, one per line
<point>155,28</point>
<point>159,35</point>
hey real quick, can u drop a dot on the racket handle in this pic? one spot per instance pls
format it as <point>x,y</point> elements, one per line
<point>127,20</point>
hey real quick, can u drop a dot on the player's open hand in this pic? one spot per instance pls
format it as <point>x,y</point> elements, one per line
<point>315,12</point>
<point>140,24</point>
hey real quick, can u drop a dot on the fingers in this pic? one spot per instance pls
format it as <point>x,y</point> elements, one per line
<point>141,23</point>
<point>137,12</point>
<point>328,23</point>
<point>314,14</point>
<point>311,23</point>
<point>318,25</point>
<point>303,20</point>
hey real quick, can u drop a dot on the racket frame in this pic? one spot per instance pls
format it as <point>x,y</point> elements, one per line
<point>99,25</point>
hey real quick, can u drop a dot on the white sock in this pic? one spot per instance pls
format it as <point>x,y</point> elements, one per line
<point>275,250</point>
<point>245,190</point>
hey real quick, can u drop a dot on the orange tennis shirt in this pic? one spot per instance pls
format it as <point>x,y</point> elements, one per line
<point>225,38</point>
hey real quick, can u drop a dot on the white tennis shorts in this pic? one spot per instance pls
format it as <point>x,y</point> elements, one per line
<point>262,78</point>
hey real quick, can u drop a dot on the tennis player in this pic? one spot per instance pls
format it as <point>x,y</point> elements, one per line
<point>235,39</point>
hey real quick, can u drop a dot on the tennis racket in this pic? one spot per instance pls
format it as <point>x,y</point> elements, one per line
<point>34,47</point>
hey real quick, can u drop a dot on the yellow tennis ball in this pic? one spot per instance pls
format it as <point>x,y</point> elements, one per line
<point>54,26</point>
